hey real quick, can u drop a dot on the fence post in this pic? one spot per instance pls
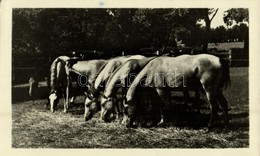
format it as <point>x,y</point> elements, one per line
<point>230,57</point>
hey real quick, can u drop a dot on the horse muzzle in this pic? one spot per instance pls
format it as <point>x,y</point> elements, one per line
<point>88,115</point>
<point>107,116</point>
<point>129,122</point>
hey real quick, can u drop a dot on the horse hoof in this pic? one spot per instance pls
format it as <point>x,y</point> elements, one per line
<point>133,124</point>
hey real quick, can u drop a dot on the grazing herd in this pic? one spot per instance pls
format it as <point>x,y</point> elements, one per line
<point>125,78</point>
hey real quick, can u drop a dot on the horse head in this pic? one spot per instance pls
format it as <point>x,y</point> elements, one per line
<point>129,119</point>
<point>91,106</point>
<point>107,109</point>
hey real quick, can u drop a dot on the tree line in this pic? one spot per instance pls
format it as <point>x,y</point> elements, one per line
<point>57,31</point>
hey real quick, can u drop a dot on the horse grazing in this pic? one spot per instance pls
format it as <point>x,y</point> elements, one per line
<point>58,83</point>
<point>87,72</point>
<point>121,78</point>
<point>182,72</point>
<point>101,80</point>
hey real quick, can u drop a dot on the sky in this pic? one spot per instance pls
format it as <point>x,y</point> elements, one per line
<point>218,19</point>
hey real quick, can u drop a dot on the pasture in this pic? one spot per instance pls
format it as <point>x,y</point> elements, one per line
<point>35,127</point>
<point>225,46</point>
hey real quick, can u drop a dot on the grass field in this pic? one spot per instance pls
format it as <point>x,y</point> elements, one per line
<point>35,127</point>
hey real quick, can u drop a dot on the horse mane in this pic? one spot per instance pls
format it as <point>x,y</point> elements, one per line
<point>102,67</point>
<point>135,84</point>
<point>100,76</point>
<point>109,84</point>
<point>91,87</point>
<point>99,71</point>
<point>137,68</point>
<point>114,73</point>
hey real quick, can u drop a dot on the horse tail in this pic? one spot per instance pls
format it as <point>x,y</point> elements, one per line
<point>53,73</point>
<point>225,80</point>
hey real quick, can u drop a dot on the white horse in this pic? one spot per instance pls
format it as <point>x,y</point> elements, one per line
<point>101,80</point>
<point>182,72</point>
<point>121,78</point>
<point>87,72</point>
<point>58,83</point>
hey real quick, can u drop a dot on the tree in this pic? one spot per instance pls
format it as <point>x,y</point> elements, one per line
<point>207,15</point>
<point>219,34</point>
<point>56,31</point>
<point>239,16</point>
<point>25,26</point>
<point>165,25</point>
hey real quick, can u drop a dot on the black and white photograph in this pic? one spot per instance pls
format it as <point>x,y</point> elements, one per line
<point>130,77</point>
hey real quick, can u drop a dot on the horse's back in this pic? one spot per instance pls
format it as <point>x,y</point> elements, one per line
<point>132,66</point>
<point>173,71</point>
<point>85,67</point>
<point>64,58</point>
<point>207,60</point>
<point>135,57</point>
<point>111,66</point>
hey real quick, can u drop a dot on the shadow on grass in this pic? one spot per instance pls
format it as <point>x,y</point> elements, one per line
<point>76,109</point>
<point>179,116</point>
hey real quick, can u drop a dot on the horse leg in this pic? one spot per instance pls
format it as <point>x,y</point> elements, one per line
<point>224,105</point>
<point>213,107</point>
<point>66,96</point>
<point>116,104</point>
<point>197,100</point>
<point>75,91</point>
<point>165,101</point>
<point>101,113</point>
<point>65,90</point>
<point>66,100</point>
<point>186,97</point>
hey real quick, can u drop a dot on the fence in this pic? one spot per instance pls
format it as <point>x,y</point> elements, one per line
<point>24,68</point>
<point>237,57</point>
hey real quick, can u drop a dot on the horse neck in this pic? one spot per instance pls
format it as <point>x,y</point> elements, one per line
<point>110,85</point>
<point>103,74</point>
<point>95,71</point>
<point>135,84</point>
<point>145,61</point>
